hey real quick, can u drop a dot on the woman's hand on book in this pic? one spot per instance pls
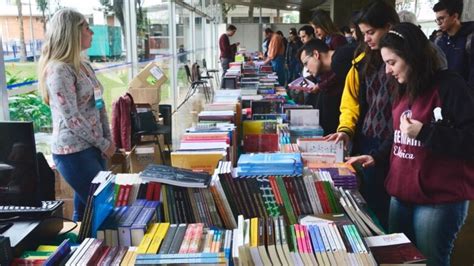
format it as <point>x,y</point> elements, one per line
<point>365,160</point>
<point>338,136</point>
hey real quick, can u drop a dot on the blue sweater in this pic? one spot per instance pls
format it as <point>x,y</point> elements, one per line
<point>454,47</point>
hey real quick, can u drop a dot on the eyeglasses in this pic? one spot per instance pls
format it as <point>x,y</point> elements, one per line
<point>440,19</point>
<point>306,59</point>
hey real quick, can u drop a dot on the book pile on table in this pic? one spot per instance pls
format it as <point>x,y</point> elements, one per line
<point>270,164</point>
<point>184,243</point>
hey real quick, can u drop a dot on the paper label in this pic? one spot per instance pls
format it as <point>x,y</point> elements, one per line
<point>156,72</point>
<point>387,240</point>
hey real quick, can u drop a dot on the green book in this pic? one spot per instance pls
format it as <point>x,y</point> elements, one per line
<point>294,243</point>
<point>286,200</point>
<point>331,199</point>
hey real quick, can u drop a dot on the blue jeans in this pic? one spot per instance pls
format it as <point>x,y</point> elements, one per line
<point>78,169</point>
<point>278,66</point>
<point>431,227</point>
<point>373,181</point>
<point>225,65</point>
<point>294,70</point>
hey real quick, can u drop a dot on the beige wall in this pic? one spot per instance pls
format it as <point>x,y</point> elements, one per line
<point>10,29</point>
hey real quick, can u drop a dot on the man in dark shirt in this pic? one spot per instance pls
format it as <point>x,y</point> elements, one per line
<point>227,50</point>
<point>332,66</point>
<point>292,61</point>
<point>456,39</point>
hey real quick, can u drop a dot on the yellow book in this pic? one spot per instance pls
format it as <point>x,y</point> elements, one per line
<point>158,238</point>
<point>128,255</point>
<point>48,248</point>
<point>165,203</point>
<point>146,241</point>
<point>254,232</point>
<point>198,160</point>
<point>131,262</point>
<point>258,126</point>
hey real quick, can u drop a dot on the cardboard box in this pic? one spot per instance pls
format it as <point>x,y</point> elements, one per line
<point>119,163</point>
<point>145,87</point>
<point>143,155</point>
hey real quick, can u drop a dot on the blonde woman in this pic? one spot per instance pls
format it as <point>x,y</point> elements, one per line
<point>81,133</point>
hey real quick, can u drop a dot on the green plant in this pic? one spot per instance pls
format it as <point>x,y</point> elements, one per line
<point>13,78</point>
<point>30,107</point>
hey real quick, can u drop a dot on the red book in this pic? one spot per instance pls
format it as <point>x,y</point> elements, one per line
<point>121,194</point>
<point>156,191</point>
<point>149,191</point>
<point>126,195</point>
<point>322,197</point>
<point>275,190</point>
<point>103,255</point>
<point>394,249</point>
<point>291,195</point>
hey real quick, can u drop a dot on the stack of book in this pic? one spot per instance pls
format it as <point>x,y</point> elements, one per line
<point>304,123</point>
<point>44,255</point>
<point>394,249</point>
<point>263,196</point>
<point>184,244</point>
<point>93,252</point>
<point>260,136</point>
<point>338,174</point>
<point>175,176</point>
<point>270,164</point>
<point>99,204</point>
<point>356,208</point>
<point>189,205</point>
<point>305,132</point>
<point>200,151</point>
<point>267,241</point>
<point>229,96</point>
<point>320,150</point>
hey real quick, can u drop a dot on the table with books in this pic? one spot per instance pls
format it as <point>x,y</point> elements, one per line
<point>287,199</point>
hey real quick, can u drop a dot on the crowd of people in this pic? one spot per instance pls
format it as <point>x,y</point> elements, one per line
<point>402,104</point>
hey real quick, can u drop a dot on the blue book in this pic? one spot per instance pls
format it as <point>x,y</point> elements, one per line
<point>180,256</point>
<point>111,232</point>
<point>126,221</point>
<point>319,239</point>
<point>139,227</point>
<point>62,251</point>
<point>211,261</point>
<point>103,203</point>
<point>314,240</point>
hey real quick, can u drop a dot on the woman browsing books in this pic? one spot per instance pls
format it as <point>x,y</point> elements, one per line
<point>81,133</point>
<point>431,176</point>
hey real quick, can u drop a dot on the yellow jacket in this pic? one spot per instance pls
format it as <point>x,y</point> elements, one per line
<point>350,100</point>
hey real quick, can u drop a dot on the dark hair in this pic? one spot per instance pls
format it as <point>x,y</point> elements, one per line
<point>345,29</point>
<point>231,28</point>
<point>268,30</point>
<point>378,14</point>
<point>314,44</point>
<point>307,29</point>
<point>280,33</point>
<point>451,6</point>
<point>360,38</point>
<point>410,43</point>
<point>293,31</point>
<point>322,19</point>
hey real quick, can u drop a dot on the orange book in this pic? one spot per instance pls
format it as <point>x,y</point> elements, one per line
<point>199,161</point>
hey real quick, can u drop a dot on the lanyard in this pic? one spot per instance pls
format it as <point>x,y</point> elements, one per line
<point>99,102</point>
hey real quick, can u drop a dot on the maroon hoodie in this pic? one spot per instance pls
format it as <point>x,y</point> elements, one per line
<point>437,166</point>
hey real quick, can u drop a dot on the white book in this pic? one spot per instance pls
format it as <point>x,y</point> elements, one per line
<point>79,252</point>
